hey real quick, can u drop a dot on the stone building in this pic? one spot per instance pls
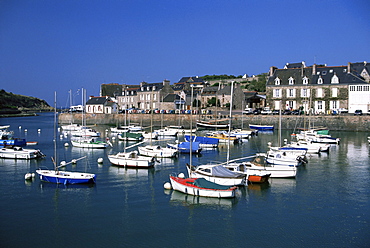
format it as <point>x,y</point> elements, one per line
<point>322,88</point>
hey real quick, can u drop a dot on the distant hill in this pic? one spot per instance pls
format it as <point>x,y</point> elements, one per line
<point>12,103</point>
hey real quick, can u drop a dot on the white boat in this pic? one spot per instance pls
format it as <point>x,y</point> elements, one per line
<point>279,157</point>
<point>253,176</point>
<point>202,187</point>
<point>157,151</point>
<point>148,135</point>
<point>182,130</point>
<point>122,129</point>
<point>259,164</point>
<point>131,159</point>
<point>85,132</point>
<point>212,125</point>
<point>217,174</point>
<point>314,136</point>
<point>167,132</point>
<point>20,153</point>
<point>90,143</point>
<point>71,127</point>
<point>312,148</point>
<point>241,134</point>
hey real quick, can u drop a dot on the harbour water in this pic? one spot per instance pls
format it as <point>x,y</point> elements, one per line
<point>326,205</point>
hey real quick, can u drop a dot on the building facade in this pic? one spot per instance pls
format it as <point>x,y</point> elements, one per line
<point>321,88</point>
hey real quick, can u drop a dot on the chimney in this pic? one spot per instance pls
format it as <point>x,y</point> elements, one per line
<point>314,69</point>
<point>349,67</point>
<point>272,70</point>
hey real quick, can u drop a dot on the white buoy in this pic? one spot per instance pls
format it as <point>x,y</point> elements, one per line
<point>66,144</point>
<point>167,185</point>
<point>181,175</point>
<point>269,143</point>
<point>20,127</point>
<point>74,161</point>
<point>39,130</point>
<point>63,163</point>
<point>28,176</point>
<point>113,138</point>
<point>25,130</point>
<point>100,160</point>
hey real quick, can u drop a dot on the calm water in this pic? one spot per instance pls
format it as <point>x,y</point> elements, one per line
<point>327,205</point>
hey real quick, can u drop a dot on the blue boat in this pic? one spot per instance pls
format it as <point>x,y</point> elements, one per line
<point>262,127</point>
<point>7,139</point>
<point>204,142</point>
<point>184,147</point>
<point>66,177</point>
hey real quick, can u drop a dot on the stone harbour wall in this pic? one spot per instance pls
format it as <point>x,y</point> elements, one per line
<point>333,122</point>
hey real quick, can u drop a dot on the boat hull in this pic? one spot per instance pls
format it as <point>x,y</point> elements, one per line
<point>124,160</point>
<point>65,177</point>
<point>18,153</point>
<point>262,127</point>
<point>187,186</point>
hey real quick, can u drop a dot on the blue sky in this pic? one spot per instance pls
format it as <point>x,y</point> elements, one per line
<point>58,45</point>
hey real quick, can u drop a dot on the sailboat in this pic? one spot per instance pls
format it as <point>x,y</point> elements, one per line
<point>156,150</point>
<point>63,177</point>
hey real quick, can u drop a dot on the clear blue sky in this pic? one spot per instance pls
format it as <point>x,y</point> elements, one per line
<point>58,45</point>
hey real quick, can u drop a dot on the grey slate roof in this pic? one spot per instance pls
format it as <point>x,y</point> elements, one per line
<point>96,100</point>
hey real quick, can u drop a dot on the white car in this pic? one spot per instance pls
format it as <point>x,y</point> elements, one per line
<point>342,110</point>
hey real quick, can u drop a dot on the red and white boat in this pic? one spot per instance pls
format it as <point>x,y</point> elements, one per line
<point>202,187</point>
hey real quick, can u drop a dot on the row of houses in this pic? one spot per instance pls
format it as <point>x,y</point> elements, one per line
<point>320,88</point>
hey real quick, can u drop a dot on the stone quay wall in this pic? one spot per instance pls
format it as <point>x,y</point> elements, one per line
<point>333,122</point>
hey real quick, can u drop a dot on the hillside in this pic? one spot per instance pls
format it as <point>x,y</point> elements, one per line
<point>13,103</point>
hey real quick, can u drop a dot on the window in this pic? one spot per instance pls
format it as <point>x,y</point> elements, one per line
<point>319,105</point>
<point>334,92</point>
<point>324,73</point>
<point>305,92</point>
<point>359,88</point>
<point>290,92</point>
<point>319,92</point>
<point>320,81</point>
<point>277,81</point>
<point>366,88</point>
<point>305,80</point>
<point>276,93</point>
<point>291,81</point>
<point>335,79</point>
<point>352,88</point>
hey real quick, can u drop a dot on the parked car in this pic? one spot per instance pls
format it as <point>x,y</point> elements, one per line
<point>287,112</point>
<point>248,111</point>
<point>297,112</point>
<point>342,110</point>
<point>358,112</point>
<point>257,111</point>
<point>266,111</point>
<point>276,112</point>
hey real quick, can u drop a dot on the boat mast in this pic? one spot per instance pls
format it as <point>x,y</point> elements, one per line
<point>55,132</point>
<point>231,107</point>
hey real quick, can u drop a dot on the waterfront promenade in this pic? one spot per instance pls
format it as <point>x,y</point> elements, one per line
<point>347,122</point>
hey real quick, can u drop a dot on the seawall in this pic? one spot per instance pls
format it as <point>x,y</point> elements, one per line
<point>333,122</point>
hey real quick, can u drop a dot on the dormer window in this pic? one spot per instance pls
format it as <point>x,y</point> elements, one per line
<point>148,88</point>
<point>335,79</point>
<point>320,81</point>
<point>153,87</point>
<point>277,81</point>
<point>291,81</point>
<point>305,80</point>
<point>142,88</point>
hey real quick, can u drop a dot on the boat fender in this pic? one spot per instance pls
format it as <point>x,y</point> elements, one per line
<point>167,185</point>
<point>181,175</point>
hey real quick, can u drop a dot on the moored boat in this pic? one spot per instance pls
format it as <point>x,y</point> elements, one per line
<point>261,127</point>
<point>20,153</point>
<point>204,142</point>
<point>131,159</point>
<point>202,187</point>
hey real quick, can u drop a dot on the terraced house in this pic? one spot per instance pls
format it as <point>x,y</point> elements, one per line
<point>321,88</point>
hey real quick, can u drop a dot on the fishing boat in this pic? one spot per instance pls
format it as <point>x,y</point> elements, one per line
<point>131,160</point>
<point>184,147</point>
<point>212,125</point>
<point>204,142</point>
<point>202,187</point>
<point>90,143</point>
<point>129,136</point>
<point>18,152</point>
<point>262,127</point>
<point>216,173</point>
<point>7,138</point>
<point>157,151</point>
<point>63,177</point>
